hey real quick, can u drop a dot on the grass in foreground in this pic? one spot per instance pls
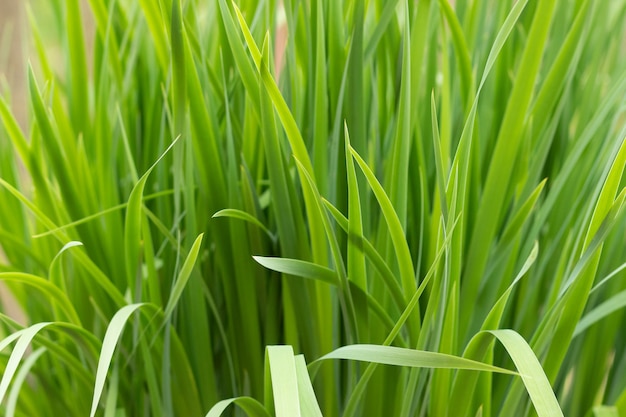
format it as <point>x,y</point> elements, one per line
<point>433,193</point>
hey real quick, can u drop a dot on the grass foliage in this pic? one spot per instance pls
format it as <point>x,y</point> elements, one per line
<point>416,208</point>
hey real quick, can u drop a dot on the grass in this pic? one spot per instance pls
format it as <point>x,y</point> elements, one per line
<point>420,213</point>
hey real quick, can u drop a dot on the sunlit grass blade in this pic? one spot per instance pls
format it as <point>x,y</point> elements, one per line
<point>282,369</point>
<point>183,277</point>
<point>17,355</point>
<point>242,215</point>
<point>299,268</point>
<point>251,407</point>
<point>111,338</point>
<point>308,402</point>
<point>391,355</point>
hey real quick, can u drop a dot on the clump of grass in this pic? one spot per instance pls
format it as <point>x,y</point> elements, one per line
<point>433,189</point>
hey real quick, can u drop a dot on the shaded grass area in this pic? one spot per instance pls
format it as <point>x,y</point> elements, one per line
<point>419,213</point>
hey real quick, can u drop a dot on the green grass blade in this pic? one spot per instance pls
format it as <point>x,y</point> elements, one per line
<point>284,381</point>
<point>183,277</point>
<point>299,268</point>
<point>242,215</point>
<point>507,145</point>
<point>25,338</point>
<point>396,230</point>
<point>533,376</point>
<point>391,355</point>
<point>308,402</point>
<point>252,407</point>
<point>51,291</point>
<point>19,380</point>
<point>111,338</point>
<point>132,229</point>
<point>605,309</point>
<point>79,81</point>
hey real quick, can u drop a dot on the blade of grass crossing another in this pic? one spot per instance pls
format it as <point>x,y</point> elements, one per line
<point>24,339</point>
<point>19,380</point>
<point>533,376</point>
<point>580,290</point>
<point>396,231</point>
<point>503,159</point>
<point>293,135</point>
<point>132,225</point>
<point>465,382</point>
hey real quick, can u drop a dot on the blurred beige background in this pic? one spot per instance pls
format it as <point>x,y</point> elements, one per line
<point>12,71</point>
<point>12,56</point>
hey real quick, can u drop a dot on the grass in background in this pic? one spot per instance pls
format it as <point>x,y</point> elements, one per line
<point>432,192</point>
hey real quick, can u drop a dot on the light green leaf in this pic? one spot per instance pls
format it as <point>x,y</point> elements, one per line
<point>391,355</point>
<point>183,276</point>
<point>284,381</point>
<point>299,268</point>
<point>111,338</point>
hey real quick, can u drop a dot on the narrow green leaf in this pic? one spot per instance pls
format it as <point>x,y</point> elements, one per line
<point>308,401</point>
<point>25,338</point>
<point>242,215</point>
<point>111,338</point>
<point>391,355</point>
<point>533,376</point>
<point>396,230</point>
<point>79,80</point>
<point>299,268</point>
<point>58,297</point>
<point>252,407</point>
<point>284,381</point>
<point>19,380</point>
<point>183,276</point>
<point>613,304</point>
<point>132,224</point>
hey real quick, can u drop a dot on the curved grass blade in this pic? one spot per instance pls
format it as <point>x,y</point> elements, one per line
<point>100,214</point>
<point>391,355</point>
<point>183,276</point>
<point>19,379</point>
<point>308,401</point>
<point>100,278</point>
<point>25,337</point>
<point>46,287</point>
<point>249,405</point>
<point>464,383</point>
<point>299,268</point>
<point>111,338</point>
<point>317,209</point>
<point>242,215</point>
<point>533,376</point>
<point>388,277</point>
<point>132,224</point>
<point>407,273</point>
